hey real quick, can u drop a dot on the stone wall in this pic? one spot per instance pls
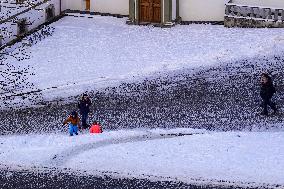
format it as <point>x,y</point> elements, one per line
<point>251,23</point>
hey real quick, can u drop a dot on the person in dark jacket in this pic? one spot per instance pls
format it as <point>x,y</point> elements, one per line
<point>267,90</point>
<point>84,107</point>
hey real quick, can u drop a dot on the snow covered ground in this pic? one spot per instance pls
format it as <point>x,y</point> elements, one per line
<point>235,158</point>
<point>89,53</point>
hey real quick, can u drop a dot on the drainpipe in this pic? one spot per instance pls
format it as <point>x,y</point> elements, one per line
<point>177,9</point>
<point>60,6</point>
<point>135,10</point>
<point>178,18</point>
<point>163,4</point>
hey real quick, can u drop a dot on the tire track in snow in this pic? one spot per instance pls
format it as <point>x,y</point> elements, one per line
<point>59,160</point>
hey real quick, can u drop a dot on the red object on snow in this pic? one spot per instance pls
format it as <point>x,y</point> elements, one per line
<point>95,129</point>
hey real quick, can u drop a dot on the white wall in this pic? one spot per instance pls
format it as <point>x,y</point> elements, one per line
<point>110,6</point>
<point>270,3</point>
<point>202,10</point>
<point>63,5</point>
<point>73,4</point>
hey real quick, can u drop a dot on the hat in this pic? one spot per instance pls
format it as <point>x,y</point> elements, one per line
<point>74,114</point>
<point>266,76</point>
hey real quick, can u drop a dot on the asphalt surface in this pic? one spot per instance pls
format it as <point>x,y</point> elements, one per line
<point>56,179</point>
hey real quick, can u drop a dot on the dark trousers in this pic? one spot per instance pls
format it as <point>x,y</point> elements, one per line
<point>84,119</point>
<point>267,102</point>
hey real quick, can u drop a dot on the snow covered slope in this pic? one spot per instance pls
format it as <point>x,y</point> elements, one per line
<point>198,76</point>
<point>88,53</point>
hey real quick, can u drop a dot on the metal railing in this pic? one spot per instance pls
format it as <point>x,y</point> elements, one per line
<point>256,12</point>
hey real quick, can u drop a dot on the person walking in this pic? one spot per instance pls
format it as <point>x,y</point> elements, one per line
<point>267,91</point>
<point>84,107</point>
<point>74,123</point>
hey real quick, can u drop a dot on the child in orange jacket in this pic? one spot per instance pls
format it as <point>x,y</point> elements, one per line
<point>96,128</point>
<point>74,123</point>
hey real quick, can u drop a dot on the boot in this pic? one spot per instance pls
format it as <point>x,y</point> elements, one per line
<point>265,113</point>
<point>275,110</point>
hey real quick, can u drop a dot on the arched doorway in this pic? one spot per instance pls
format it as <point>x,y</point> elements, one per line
<point>150,11</point>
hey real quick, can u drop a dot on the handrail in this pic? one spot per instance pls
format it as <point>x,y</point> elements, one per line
<point>24,11</point>
<point>247,5</point>
<point>258,12</point>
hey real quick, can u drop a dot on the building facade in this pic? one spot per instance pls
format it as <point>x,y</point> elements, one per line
<point>20,16</point>
<point>154,11</point>
<point>168,12</point>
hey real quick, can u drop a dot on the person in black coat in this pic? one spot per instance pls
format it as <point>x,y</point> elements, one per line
<point>84,107</point>
<point>267,90</point>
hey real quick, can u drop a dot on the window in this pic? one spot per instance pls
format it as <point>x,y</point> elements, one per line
<point>22,27</point>
<point>20,1</point>
<point>49,13</point>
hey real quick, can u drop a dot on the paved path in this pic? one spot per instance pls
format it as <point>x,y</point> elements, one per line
<point>56,179</point>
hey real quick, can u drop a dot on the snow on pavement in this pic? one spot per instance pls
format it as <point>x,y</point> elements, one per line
<point>254,158</point>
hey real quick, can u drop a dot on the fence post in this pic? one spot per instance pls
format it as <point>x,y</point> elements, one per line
<point>245,11</point>
<point>257,12</point>
<point>269,13</point>
<point>239,12</point>
<point>282,15</point>
<point>263,13</point>
<point>228,10</point>
<point>251,12</point>
<point>276,14</point>
<point>232,9</point>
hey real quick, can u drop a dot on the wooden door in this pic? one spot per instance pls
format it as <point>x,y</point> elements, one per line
<point>156,11</point>
<point>150,11</point>
<point>145,6</point>
<point>88,4</point>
